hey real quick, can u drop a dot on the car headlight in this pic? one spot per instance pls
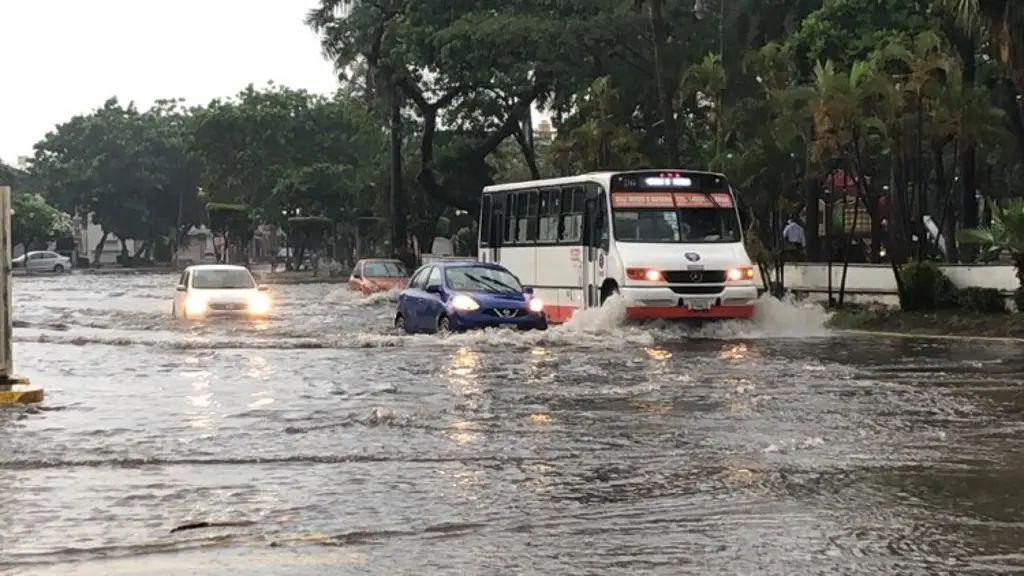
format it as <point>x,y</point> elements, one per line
<point>195,305</point>
<point>536,306</point>
<point>465,303</point>
<point>740,274</point>
<point>259,304</point>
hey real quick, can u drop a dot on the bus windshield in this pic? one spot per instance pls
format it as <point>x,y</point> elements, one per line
<point>482,279</point>
<point>688,225</point>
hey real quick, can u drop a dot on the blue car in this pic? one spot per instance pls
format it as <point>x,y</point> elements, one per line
<point>457,296</point>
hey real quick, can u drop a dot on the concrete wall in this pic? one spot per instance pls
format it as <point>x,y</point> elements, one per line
<point>877,279</point>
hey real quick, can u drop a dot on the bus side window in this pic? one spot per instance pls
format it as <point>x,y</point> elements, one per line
<point>532,216</point>
<point>485,221</point>
<point>550,200</point>
<point>510,219</point>
<point>571,230</point>
<point>522,216</point>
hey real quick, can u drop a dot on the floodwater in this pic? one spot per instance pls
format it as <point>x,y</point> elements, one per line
<point>319,442</point>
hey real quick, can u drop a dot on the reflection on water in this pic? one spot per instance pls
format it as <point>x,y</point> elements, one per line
<point>589,449</point>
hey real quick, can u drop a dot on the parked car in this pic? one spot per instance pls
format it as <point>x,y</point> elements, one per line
<point>207,290</point>
<point>42,261</point>
<point>378,275</point>
<point>457,296</point>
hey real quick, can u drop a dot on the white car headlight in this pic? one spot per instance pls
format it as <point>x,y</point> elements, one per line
<point>259,304</point>
<point>464,303</point>
<point>195,305</point>
<point>536,305</point>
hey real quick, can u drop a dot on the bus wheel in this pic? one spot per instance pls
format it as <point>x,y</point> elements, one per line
<point>609,289</point>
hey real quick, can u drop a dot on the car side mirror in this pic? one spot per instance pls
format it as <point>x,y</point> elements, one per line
<point>182,288</point>
<point>528,290</point>
<point>263,287</point>
<point>357,277</point>
<point>433,289</point>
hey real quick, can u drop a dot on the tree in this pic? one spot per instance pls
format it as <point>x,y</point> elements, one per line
<point>130,170</point>
<point>33,221</point>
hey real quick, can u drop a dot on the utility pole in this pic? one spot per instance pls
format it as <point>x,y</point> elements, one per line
<point>13,390</point>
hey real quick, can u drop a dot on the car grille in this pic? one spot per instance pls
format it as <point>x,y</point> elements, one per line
<point>226,307</point>
<point>506,312</point>
<point>695,276</point>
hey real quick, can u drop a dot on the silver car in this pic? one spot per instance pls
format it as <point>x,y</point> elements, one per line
<point>42,261</point>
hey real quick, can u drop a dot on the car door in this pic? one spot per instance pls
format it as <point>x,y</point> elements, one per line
<point>409,299</point>
<point>355,279</point>
<point>432,304</point>
<point>34,261</point>
<point>179,296</point>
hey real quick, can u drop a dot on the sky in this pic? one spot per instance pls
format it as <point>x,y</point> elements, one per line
<point>60,58</point>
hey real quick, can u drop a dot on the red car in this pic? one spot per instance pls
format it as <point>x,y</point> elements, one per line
<point>378,275</point>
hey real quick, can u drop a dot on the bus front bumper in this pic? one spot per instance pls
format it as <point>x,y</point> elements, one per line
<point>661,302</point>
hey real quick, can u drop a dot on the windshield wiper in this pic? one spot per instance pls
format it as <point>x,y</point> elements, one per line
<point>492,282</point>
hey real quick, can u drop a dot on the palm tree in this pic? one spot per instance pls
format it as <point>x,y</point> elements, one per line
<point>1001,24</point>
<point>656,12</point>
<point>1006,233</point>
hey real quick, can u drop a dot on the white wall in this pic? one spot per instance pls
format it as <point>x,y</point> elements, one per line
<point>878,278</point>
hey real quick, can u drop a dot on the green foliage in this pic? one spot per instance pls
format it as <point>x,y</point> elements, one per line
<point>982,300</point>
<point>130,170</point>
<point>927,288</point>
<point>34,221</point>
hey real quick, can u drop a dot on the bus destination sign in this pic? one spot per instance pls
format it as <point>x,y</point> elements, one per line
<point>635,200</point>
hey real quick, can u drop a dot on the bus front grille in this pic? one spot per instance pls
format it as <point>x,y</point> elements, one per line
<point>697,289</point>
<point>694,276</point>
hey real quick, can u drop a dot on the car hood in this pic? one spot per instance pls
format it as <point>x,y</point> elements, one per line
<point>492,300</point>
<point>388,282</point>
<point>226,296</point>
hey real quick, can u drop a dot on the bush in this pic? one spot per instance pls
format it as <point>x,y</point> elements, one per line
<point>1018,299</point>
<point>927,288</point>
<point>983,300</point>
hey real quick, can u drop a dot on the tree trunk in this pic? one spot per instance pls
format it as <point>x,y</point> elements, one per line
<point>968,170</point>
<point>124,251</point>
<point>98,253</point>
<point>655,10</point>
<point>399,223</point>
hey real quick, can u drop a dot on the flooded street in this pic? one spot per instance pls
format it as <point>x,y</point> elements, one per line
<point>325,444</point>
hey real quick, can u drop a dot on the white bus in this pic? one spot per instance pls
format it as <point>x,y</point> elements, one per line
<point>668,241</point>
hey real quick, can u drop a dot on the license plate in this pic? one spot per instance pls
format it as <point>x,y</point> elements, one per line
<point>698,304</point>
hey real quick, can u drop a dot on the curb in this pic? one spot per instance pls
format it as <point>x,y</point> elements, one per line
<point>20,391</point>
<point>932,336</point>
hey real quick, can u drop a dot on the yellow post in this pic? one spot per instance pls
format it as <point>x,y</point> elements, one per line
<point>13,390</point>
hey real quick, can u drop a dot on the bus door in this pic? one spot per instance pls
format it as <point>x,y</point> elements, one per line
<point>595,244</point>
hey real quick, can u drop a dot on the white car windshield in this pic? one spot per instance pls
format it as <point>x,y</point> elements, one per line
<point>222,279</point>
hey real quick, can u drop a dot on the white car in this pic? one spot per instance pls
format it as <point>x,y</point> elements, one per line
<point>42,261</point>
<point>209,290</point>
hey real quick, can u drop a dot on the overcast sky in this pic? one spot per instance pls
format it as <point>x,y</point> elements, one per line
<point>65,57</point>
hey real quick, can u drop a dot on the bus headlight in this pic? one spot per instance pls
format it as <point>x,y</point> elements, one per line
<point>195,306</point>
<point>464,303</point>
<point>740,274</point>
<point>648,274</point>
<point>536,306</point>
<point>259,305</point>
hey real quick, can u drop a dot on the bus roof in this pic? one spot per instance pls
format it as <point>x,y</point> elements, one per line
<point>580,178</point>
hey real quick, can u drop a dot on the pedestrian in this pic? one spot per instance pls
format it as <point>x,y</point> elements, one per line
<point>794,238</point>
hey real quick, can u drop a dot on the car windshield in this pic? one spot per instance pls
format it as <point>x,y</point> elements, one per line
<point>384,270</point>
<point>222,279</point>
<point>691,225</point>
<point>482,279</point>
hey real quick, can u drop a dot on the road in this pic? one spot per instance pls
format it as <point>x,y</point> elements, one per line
<point>325,444</point>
